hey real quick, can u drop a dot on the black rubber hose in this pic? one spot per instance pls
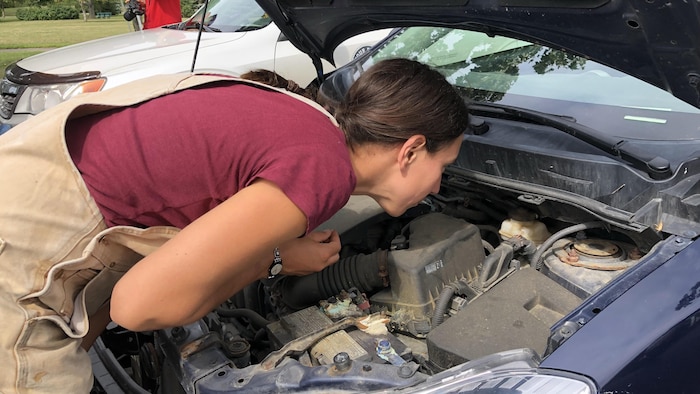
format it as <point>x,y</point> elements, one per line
<point>496,258</point>
<point>441,304</point>
<point>487,246</point>
<point>254,318</point>
<point>537,257</point>
<point>470,215</point>
<point>367,273</point>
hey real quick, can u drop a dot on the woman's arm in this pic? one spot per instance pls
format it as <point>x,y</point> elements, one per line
<point>210,260</point>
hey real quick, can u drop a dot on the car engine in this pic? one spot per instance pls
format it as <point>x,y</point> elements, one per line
<point>470,272</point>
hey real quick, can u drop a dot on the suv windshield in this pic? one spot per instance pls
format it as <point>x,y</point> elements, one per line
<point>229,16</point>
<point>518,73</point>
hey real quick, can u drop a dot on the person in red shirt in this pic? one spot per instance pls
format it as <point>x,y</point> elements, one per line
<point>161,12</point>
<point>152,203</point>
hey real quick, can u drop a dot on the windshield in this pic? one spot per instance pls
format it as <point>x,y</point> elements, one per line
<point>518,73</point>
<point>229,16</point>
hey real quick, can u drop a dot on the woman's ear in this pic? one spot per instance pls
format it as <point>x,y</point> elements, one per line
<point>408,153</point>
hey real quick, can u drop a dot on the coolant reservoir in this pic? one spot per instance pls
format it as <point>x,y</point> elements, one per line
<point>532,230</point>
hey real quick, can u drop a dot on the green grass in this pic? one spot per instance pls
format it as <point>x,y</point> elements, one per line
<point>37,36</point>
<point>54,34</point>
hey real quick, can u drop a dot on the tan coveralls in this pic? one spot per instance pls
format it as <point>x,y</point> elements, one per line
<point>58,261</point>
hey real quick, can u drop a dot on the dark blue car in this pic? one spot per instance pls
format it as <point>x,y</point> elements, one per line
<point>560,256</point>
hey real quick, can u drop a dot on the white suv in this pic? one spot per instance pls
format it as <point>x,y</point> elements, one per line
<point>237,36</point>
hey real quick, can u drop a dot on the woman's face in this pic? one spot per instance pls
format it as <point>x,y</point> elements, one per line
<point>419,178</point>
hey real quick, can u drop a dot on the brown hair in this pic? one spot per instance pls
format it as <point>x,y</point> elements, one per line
<point>273,79</point>
<point>398,98</point>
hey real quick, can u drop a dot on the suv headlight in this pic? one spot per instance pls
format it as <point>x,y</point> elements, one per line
<point>514,371</point>
<point>38,98</point>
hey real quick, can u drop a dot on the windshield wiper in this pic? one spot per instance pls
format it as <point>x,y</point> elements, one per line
<point>655,166</point>
<point>197,25</point>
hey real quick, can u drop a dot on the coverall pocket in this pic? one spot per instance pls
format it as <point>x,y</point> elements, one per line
<point>63,282</point>
<point>64,291</point>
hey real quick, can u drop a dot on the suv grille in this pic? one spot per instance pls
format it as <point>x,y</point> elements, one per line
<point>9,95</point>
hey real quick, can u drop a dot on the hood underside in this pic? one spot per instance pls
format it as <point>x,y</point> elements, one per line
<point>655,41</point>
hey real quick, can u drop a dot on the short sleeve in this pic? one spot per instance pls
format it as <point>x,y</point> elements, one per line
<point>317,178</point>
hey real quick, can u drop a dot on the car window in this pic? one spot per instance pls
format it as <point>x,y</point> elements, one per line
<point>519,73</point>
<point>230,16</point>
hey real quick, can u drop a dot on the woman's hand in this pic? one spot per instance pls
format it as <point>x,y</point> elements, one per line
<point>309,254</point>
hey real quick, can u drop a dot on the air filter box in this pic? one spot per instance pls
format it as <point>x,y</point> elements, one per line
<point>441,250</point>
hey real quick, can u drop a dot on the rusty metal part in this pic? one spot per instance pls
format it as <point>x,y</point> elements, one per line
<point>301,344</point>
<point>595,254</point>
<point>571,256</point>
<point>597,248</point>
<point>635,254</point>
<point>305,342</point>
<point>209,340</point>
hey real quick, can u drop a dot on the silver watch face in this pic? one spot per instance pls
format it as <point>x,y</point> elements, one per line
<point>275,269</point>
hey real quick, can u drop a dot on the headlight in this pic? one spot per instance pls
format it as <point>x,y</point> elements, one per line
<point>37,98</point>
<point>511,372</point>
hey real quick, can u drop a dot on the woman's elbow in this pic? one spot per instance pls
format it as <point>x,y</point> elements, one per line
<point>133,310</point>
<point>125,311</point>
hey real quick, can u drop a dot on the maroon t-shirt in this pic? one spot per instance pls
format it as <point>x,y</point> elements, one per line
<point>170,160</point>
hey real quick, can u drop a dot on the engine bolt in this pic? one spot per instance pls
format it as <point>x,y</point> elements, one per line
<point>405,371</point>
<point>383,345</point>
<point>179,333</point>
<point>342,361</point>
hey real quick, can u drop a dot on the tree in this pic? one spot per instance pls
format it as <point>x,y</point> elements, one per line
<point>87,9</point>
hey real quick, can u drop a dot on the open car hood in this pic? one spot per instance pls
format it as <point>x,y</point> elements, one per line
<point>655,41</point>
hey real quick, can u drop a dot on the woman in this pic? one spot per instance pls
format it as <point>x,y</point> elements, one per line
<point>215,181</point>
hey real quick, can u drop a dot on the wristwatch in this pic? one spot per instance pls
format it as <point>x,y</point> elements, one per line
<point>276,266</point>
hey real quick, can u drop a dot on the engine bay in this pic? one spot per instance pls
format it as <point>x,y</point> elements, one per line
<point>469,272</point>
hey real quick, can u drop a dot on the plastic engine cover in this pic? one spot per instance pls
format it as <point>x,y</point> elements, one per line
<point>517,313</point>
